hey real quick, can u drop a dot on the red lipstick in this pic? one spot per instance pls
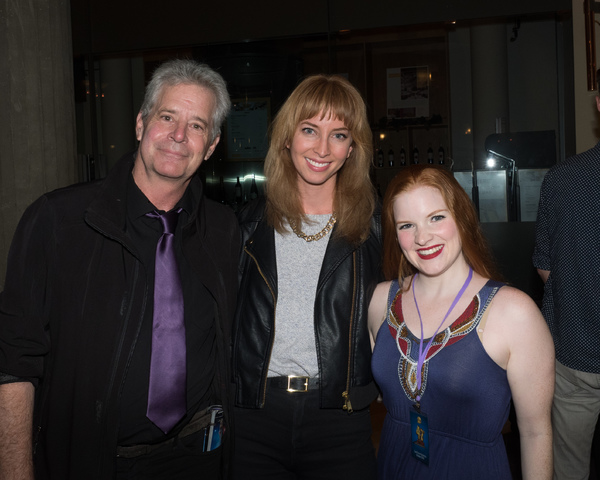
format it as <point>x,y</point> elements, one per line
<point>430,252</point>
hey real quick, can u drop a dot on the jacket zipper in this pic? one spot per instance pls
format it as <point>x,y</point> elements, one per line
<point>264,395</point>
<point>100,408</point>
<point>346,395</point>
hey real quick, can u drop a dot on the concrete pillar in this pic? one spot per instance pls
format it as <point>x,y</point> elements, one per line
<point>37,121</point>
<point>489,74</point>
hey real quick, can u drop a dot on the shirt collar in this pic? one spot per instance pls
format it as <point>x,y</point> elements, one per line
<point>138,204</point>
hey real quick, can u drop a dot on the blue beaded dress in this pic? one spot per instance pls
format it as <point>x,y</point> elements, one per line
<point>464,394</point>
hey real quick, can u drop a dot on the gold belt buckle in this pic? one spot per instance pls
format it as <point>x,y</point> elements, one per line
<point>292,390</point>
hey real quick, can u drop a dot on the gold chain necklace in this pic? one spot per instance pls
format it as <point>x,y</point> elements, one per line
<point>317,236</point>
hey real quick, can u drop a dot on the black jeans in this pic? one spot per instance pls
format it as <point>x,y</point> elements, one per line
<point>292,438</point>
<point>183,460</point>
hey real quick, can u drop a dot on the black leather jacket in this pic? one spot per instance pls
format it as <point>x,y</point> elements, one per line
<point>348,277</point>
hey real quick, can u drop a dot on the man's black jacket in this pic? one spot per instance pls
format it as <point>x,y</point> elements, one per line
<point>72,307</point>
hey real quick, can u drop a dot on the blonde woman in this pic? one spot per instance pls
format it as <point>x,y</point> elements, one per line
<point>311,260</point>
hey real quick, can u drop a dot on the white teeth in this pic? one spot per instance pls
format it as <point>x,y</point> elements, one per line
<point>316,164</point>
<point>430,251</point>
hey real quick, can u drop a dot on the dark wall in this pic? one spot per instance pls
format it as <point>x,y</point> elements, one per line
<point>112,26</point>
<point>512,244</point>
<point>380,13</point>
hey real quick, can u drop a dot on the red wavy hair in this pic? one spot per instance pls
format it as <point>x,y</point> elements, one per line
<point>474,245</point>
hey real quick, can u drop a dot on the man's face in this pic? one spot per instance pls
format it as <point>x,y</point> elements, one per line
<point>176,137</point>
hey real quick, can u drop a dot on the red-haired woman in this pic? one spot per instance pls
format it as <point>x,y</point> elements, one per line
<point>452,345</point>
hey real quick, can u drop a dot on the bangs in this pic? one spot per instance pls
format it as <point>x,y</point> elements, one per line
<point>329,99</point>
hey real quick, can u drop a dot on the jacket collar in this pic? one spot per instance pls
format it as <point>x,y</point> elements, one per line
<point>337,251</point>
<point>107,213</point>
<point>261,245</point>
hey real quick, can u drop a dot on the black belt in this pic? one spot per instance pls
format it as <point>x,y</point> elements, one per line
<point>199,421</point>
<point>293,383</point>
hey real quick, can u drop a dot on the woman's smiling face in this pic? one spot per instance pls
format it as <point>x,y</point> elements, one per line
<point>426,231</point>
<point>319,148</point>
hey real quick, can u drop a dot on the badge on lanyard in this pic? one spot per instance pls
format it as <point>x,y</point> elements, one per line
<point>419,425</point>
<point>419,430</point>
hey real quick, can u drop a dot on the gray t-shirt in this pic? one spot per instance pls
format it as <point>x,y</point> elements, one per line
<point>298,267</point>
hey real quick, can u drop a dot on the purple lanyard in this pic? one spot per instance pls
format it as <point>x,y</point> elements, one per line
<point>423,354</point>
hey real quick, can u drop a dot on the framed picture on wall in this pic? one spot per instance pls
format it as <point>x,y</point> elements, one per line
<point>247,127</point>
<point>408,92</point>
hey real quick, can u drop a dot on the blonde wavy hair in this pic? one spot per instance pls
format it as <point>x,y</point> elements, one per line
<point>354,198</point>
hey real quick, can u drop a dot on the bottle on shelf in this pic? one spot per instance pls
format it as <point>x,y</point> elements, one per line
<point>402,157</point>
<point>380,159</point>
<point>390,157</point>
<point>239,198</point>
<point>222,197</point>
<point>253,188</point>
<point>415,158</point>
<point>430,155</point>
<point>441,156</point>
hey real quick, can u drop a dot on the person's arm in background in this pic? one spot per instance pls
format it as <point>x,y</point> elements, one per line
<point>16,427</point>
<point>541,253</point>
<point>544,274</point>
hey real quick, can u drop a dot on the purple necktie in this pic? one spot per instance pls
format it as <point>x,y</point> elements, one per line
<point>167,389</point>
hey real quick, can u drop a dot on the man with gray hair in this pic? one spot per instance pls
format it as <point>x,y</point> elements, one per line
<point>115,318</point>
